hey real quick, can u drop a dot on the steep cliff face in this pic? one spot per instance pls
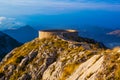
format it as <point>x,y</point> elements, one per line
<point>58,59</point>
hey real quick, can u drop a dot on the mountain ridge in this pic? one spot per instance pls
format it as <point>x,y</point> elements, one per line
<point>22,34</point>
<point>115,32</point>
<point>7,43</point>
<point>57,59</point>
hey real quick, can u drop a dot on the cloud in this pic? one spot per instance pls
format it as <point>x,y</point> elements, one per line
<point>54,6</point>
<point>6,23</point>
<point>1,19</point>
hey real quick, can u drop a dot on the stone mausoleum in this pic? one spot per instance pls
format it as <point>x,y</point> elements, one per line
<point>61,33</point>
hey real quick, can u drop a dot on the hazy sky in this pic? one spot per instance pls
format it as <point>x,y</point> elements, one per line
<point>52,12</point>
<point>21,7</point>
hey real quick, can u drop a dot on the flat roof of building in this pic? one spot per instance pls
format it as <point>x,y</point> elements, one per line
<point>59,30</point>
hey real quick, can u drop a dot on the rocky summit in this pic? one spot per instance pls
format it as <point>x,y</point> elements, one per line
<point>58,59</point>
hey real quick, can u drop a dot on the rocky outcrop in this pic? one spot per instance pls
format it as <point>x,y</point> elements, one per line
<point>23,63</point>
<point>53,72</point>
<point>32,54</point>
<point>89,69</point>
<point>58,59</point>
<point>25,77</point>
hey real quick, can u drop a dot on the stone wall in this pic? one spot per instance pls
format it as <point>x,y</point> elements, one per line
<point>52,33</point>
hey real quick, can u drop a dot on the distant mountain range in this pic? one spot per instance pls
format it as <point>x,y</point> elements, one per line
<point>22,34</point>
<point>108,36</point>
<point>115,32</point>
<point>101,34</point>
<point>7,44</point>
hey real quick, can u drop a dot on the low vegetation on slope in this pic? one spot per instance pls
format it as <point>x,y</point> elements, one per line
<point>57,59</point>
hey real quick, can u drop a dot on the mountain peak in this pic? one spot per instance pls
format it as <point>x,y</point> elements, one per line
<point>28,33</point>
<point>61,58</point>
<point>36,59</point>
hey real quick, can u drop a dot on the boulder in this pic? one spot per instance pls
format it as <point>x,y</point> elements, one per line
<point>32,54</point>
<point>25,76</point>
<point>23,63</point>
